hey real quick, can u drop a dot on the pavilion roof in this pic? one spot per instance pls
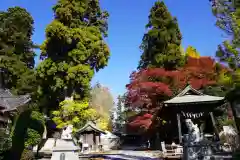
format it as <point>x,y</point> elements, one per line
<point>191,95</point>
<point>89,126</point>
<point>9,102</point>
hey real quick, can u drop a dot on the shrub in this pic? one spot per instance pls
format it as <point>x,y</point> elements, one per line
<point>27,155</point>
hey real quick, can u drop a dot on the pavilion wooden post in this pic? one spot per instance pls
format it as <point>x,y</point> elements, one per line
<point>214,123</point>
<point>99,138</point>
<point>179,128</point>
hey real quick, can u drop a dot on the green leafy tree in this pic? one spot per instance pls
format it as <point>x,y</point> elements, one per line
<point>161,45</point>
<point>73,51</point>
<point>33,137</point>
<point>74,113</point>
<point>228,16</point>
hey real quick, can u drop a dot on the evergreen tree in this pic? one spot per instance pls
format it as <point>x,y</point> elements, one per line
<point>16,33</point>
<point>16,50</point>
<point>17,62</point>
<point>161,45</point>
<point>120,119</point>
<point>73,51</point>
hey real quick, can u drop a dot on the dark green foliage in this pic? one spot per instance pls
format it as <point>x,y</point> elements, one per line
<point>161,43</point>
<point>16,53</point>
<point>86,13</point>
<point>16,29</point>
<point>17,62</point>
<point>73,50</point>
<point>24,133</point>
<point>34,136</point>
<point>16,75</point>
<point>216,90</point>
<point>5,143</point>
<point>225,121</point>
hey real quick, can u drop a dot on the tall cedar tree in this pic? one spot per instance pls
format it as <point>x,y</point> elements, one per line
<point>17,62</point>
<point>16,53</point>
<point>73,51</point>
<point>161,44</point>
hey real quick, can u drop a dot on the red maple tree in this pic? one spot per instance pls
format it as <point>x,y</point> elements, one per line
<point>139,123</point>
<point>199,72</point>
<point>149,87</point>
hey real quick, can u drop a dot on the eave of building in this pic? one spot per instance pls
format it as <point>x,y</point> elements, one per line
<point>9,102</point>
<point>196,97</point>
<point>89,126</point>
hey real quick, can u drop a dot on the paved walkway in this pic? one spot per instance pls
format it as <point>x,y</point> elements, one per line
<point>117,157</point>
<point>125,155</point>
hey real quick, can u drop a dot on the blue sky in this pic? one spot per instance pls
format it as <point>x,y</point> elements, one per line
<point>126,28</point>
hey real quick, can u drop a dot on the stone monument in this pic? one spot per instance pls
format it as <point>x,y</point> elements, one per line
<point>65,147</point>
<point>67,132</point>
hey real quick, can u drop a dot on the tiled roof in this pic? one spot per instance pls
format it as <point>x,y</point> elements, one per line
<point>10,102</point>
<point>190,95</point>
<point>90,127</point>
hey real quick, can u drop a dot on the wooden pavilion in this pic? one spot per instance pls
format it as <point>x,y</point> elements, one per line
<point>8,104</point>
<point>193,104</point>
<point>89,136</point>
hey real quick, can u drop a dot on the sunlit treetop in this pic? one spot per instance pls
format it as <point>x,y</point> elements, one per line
<point>74,48</point>
<point>192,52</point>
